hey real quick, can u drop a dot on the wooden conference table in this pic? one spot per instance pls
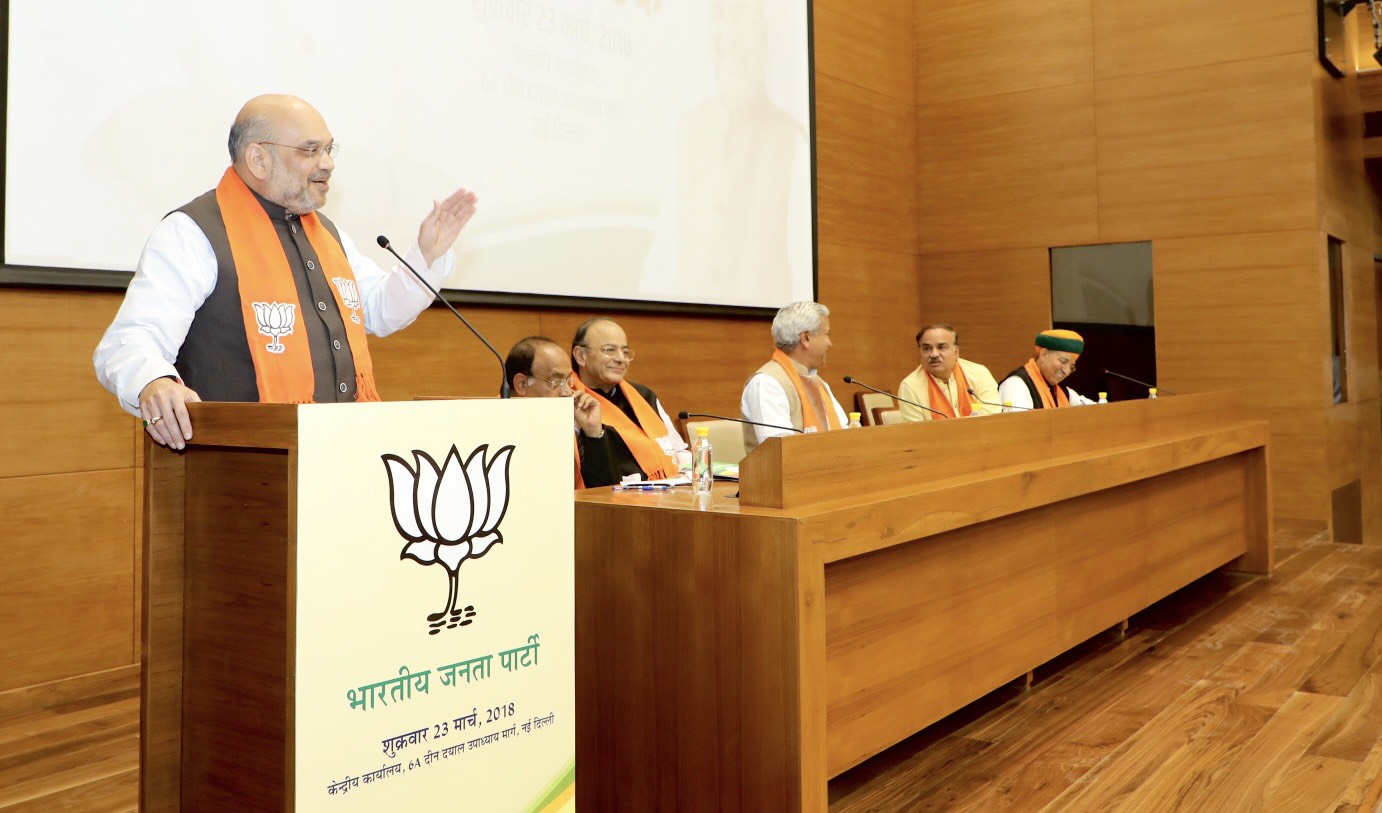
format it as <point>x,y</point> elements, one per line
<point>736,653</point>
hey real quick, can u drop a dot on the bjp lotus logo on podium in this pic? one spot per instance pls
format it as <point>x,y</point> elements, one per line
<point>350,296</point>
<point>448,514</point>
<point>275,321</point>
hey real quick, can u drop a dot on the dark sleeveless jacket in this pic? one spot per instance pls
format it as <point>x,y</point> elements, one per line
<point>1021,373</point>
<point>215,357</point>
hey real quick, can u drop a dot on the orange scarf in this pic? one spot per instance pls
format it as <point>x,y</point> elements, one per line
<point>269,298</point>
<point>1039,381</point>
<point>809,418</point>
<point>940,401</point>
<point>641,438</point>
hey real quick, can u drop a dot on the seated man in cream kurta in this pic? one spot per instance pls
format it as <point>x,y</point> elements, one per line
<point>943,381</point>
<point>786,391</point>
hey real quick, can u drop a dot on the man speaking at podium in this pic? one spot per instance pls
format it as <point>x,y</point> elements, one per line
<point>247,294</point>
<point>786,391</point>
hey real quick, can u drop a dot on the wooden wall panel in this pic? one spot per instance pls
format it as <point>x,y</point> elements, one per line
<point>873,298</point>
<point>1345,208</point>
<point>57,418</point>
<point>1249,312</point>
<point>859,44</point>
<point>67,570</point>
<point>436,355</point>
<point>1243,309</point>
<point>865,167</point>
<point>1134,38</point>
<point>1360,321</point>
<point>1219,149</point>
<point>1008,171</point>
<point>1005,46</point>
<point>997,300</point>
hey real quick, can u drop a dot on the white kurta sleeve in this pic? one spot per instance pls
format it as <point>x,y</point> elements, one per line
<point>1076,399</point>
<point>393,299</point>
<point>906,411</point>
<point>985,389</point>
<point>678,442</point>
<point>1014,391</point>
<point>765,401</point>
<point>175,275</point>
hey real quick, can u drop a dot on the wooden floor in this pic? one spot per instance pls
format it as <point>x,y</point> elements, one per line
<point>1234,694</point>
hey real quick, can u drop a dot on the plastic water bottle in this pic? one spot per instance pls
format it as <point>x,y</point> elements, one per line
<point>702,475</point>
<point>853,421</point>
<point>1151,392</point>
<point>1103,398</point>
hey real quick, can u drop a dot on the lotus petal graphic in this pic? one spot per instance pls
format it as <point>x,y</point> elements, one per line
<point>350,296</point>
<point>449,513</point>
<point>275,320</point>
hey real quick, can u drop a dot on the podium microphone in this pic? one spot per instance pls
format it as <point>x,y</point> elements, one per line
<point>970,390</point>
<point>684,415</point>
<point>858,383</point>
<point>1135,381</point>
<point>503,379</point>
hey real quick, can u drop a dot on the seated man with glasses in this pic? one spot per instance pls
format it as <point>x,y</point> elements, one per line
<point>601,355</point>
<point>1037,384</point>
<point>248,294</point>
<point>786,391</point>
<point>537,367</point>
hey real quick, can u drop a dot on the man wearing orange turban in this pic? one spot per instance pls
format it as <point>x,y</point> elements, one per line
<point>1037,384</point>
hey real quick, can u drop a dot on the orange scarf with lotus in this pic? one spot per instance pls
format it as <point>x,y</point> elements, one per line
<point>269,298</point>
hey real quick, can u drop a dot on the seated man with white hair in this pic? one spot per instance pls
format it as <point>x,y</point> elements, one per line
<point>786,391</point>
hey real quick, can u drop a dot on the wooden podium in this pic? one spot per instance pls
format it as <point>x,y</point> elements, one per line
<point>734,654</point>
<point>230,683</point>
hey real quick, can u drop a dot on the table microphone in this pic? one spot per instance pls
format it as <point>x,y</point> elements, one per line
<point>970,390</point>
<point>1139,383</point>
<point>503,379</point>
<point>684,415</point>
<point>858,383</point>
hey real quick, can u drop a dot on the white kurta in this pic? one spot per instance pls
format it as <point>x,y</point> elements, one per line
<point>177,272</point>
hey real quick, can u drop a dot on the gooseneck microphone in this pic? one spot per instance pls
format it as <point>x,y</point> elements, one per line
<point>858,383</point>
<point>973,395</point>
<point>1139,383</point>
<point>503,379</point>
<point>684,415</point>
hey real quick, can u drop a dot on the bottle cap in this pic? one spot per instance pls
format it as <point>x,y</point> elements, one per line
<point>1151,392</point>
<point>854,416</point>
<point>702,431</point>
<point>1103,396</point>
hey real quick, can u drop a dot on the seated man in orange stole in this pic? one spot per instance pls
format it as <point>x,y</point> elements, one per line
<point>943,381</point>
<point>786,391</point>
<point>537,367</point>
<point>1037,384</point>
<point>601,356</point>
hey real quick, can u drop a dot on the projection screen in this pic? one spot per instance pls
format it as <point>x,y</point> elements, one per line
<point>638,150</point>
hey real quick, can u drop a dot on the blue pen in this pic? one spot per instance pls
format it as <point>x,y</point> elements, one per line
<point>642,487</point>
